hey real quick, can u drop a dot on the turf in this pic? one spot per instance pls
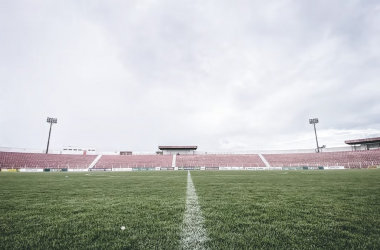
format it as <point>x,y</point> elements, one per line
<point>242,209</point>
<point>51,211</point>
<point>291,210</point>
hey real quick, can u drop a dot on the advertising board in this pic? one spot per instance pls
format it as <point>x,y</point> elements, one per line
<point>251,168</point>
<point>212,168</point>
<point>8,170</point>
<point>313,168</point>
<point>100,169</point>
<point>275,168</point>
<point>231,168</point>
<point>167,168</point>
<point>31,170</point>
<point>292,168</point>
<point>143,169</point>
<point>77,169</point>
<point>334,167</point>
<point>224,168</point>
<point>374,167</point>
<point>55,170</point>
<point>122,169</point>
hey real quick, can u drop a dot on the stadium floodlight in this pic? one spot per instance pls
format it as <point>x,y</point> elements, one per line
<point>314,121</point>
<point>51,121</point>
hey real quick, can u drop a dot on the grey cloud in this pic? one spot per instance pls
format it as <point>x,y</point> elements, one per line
<point>221,75</point>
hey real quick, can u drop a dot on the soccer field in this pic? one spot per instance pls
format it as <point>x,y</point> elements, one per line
<point>323,209</point>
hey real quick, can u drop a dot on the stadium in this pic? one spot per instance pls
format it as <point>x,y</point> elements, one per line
<point>186,124</point>
<point>360,154</point>
<point>79,197</point>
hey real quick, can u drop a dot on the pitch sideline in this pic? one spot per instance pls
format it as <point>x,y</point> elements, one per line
<point>193,234</point>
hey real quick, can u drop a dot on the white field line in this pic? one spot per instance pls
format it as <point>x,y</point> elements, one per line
<point>193,234</point>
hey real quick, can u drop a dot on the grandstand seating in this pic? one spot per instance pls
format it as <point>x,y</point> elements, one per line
<point>129,161</point>
<point>234,160</point>
<point>34,160</point>
<point>354,159</point>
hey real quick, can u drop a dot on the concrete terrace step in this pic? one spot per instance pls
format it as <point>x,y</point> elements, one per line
<point>174,161</point>
<point>264,160</point>
<point>95,161</point>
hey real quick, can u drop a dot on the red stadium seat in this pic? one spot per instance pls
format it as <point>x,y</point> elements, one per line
<point>354,159</point>
<point>34,160</point>
<point>234,160</point>
<point>129,161</point>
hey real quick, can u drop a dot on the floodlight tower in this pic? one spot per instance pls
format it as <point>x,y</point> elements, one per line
<point>314,121</point>
<point>51,121</point>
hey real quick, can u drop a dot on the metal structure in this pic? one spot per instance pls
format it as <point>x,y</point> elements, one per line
<point>51,121</point>
<point>314,121</point>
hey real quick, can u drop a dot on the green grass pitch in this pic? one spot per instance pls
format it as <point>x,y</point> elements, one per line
<point>323,209</point>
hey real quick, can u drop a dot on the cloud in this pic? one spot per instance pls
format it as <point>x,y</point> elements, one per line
<point>221,75</point>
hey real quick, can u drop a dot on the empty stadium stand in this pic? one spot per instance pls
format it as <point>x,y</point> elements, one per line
<point>129,161</point>
<point>34,160</point>
<point>249,160</point>
<point>354,159</point>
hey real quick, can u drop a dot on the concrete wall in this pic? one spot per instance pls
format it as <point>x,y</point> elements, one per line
<point>178,151</point>
<point>23,150</point>
<point>286,151</point>
<point>71,150</point>
<point>182,152</point>
<point>372,145</point>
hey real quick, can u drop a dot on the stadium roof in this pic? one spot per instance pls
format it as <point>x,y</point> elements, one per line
<point>177,147</point>
<point>363,141</point>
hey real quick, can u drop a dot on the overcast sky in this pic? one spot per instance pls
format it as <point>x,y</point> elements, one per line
<point>222,75</point>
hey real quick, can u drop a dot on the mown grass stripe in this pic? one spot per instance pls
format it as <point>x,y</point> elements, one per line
<point>194,234</point>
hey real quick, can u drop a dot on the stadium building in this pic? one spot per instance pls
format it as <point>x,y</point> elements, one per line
<point>364,144</point>
<point>362,153</point>
<point>178,150</point>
